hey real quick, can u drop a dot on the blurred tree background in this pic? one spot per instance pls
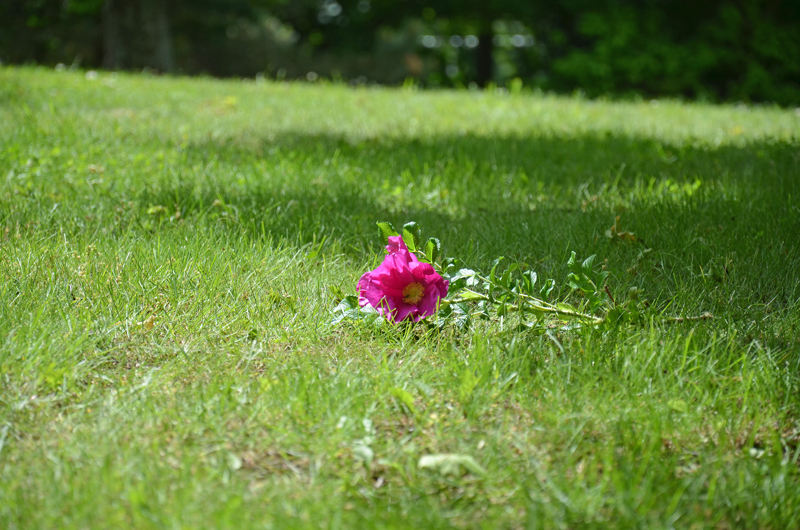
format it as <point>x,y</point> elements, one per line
<point>719,50</point>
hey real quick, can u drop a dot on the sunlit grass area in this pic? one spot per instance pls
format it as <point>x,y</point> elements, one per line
<point>170,250</point>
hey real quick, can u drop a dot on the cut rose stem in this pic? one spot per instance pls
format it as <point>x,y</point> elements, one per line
<point>540,305</point>
<point>533,303</point>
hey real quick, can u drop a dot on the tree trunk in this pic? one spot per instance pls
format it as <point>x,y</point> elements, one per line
<point>136,35</point>
<point>154,36</point>
<point>112,44</point>
<point>485,63</point>
<point>163,38</point>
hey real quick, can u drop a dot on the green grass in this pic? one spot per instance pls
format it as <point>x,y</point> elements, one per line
<point>167,252</point>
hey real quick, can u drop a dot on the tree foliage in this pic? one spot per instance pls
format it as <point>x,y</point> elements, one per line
<point>720,50</point>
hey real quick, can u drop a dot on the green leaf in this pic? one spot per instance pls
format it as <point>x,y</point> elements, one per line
<point>572,260</point>
<point>595,301</point>
<point>449,464</point>
<point>465,277</point>
<point>483,310</point>
<point>347,309</point>
<point>450,263</point>
<point>411,236</point>
<point>547,288</point>
<point>506,278</point>
<point>462,273</point>
<point>348,302</point>
<point>405,398</point>
<point>387,230</point>
<point>462,316</point>
<point>580,281</point>
<point>433,249</point>
<point>471,295</point>
<point>492,276</point>
<point>528,281</point>
<point>614,316</point>
<point>502,310</point>
<point>565,307</point>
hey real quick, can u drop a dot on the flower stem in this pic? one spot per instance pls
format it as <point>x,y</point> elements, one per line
<point>541,305</point>
<point>534,303</point>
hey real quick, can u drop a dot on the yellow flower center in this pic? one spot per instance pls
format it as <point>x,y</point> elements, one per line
<point>413,293</point>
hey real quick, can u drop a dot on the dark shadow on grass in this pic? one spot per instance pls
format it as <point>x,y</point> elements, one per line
<point>493,195</point>
<point>705,214</point>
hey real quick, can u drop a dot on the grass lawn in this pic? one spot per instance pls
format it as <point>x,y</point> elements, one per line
<point>169,253</point>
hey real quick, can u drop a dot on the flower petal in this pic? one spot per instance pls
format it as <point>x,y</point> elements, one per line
<point>430,301</point>
<point>396,244</point>
<point>403,311</point>
<point>383,287</point>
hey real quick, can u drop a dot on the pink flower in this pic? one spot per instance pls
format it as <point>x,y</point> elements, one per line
<point>402,287</point>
